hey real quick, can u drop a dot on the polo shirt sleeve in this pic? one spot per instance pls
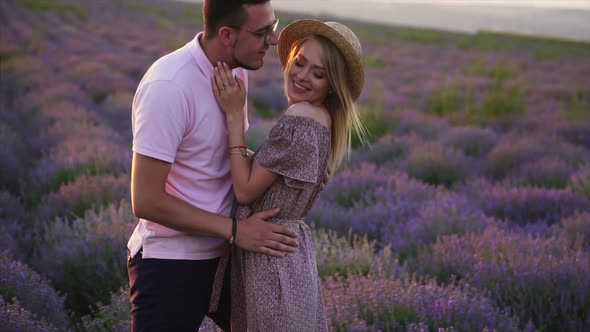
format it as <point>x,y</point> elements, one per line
<point>159,120</point>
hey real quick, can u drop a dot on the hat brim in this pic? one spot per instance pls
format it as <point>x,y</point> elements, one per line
<point>307,27</point>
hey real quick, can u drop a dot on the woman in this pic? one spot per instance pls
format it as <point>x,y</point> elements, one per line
<point>323,77</point>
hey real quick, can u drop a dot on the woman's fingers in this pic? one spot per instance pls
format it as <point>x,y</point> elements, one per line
<point>227,75</point>
<point>218,80</point>
<point>215,87</point>
<point>240,84</point>
<point>220,72</point>
<point>224,77</point>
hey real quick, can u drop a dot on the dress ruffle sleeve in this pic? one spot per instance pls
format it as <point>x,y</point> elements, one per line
<point>292,150</point>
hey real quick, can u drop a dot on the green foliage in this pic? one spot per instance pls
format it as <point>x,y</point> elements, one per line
<point>192,14</point>
<point>445,101</point>
<point>373,62</point>
<point>575,106</point>
<point>353,254</point>
<point>166,17</point>
<point>502,71</point>
<point>63,176</point>
<point>545,46</point>
<point>436,165</point>
<point>541,47</point>
<point>83,194</point>
<point>500,101</point>
<point>61,9</point>
<point>257,133</point>
<point>375,121</point>
<point>99,96</point>
<point>476,68</point>
<point>143,7</point>
<point>580,182</point>
<point>470,140</point>
<point>114,316</point>
<point>262,107</point>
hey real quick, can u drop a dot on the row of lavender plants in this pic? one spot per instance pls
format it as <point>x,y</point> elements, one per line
<point>470,211</point>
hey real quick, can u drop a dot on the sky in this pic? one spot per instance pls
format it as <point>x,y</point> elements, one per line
<point>580,4</point>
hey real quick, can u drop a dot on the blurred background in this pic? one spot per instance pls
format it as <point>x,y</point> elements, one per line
<point>468,211</point>
<point>564,19</point>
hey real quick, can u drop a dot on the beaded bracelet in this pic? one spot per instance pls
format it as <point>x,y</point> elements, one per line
<point>241,153</point>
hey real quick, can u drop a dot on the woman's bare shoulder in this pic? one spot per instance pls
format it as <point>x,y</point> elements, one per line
<point>307,110</point>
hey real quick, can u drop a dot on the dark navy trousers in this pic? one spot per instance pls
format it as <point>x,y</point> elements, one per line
<point>173,294</point>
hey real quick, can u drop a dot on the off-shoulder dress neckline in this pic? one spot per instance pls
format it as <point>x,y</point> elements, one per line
<point>306,118</point>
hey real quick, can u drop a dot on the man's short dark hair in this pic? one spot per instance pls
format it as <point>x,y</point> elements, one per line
<point>218,13</point>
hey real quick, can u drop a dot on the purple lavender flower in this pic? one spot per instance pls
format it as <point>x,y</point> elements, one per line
<point>523,205</point>
<point>541,279</point>
<point>424,126</point>
<point>446,214</point>
<point>472,141</point>
<point>579,182</point>
<point>545,172</point>
<point>381,303</point>
<point>389,150</point>
<point>577,229</point>
<point>85,257</point>
<point>84,193</point>
<point>370,202</point>
<point>15,318</point>
<point>436,165</point>
<point>12,216</point>
<point>32,291</point>
<point>577,132</point>
<point>114,316</point>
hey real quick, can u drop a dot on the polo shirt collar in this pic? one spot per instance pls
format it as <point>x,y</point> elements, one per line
<point>200,57</point>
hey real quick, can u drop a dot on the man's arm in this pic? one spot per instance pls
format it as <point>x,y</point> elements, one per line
<point>150,201</point>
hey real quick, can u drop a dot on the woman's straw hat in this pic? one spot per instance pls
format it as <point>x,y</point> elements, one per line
<point>344,39</point>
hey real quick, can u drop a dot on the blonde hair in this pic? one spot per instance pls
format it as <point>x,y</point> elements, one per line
<point>340,103</point>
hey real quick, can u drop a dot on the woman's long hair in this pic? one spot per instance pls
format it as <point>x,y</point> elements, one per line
<point>339,102</point>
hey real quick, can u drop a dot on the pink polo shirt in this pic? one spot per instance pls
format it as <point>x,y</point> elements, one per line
<point>176,119</point>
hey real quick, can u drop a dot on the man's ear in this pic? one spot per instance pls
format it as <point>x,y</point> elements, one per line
<point>226,36</point>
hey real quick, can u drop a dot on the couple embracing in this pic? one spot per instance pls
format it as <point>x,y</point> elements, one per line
<point>222,230</point>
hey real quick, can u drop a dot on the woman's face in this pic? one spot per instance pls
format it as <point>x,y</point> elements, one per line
<point>307,79</point>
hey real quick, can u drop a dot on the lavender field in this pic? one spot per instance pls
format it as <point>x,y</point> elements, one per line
<point>469,211</point>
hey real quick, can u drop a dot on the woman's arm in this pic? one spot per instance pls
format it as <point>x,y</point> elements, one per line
<point>250,180</point>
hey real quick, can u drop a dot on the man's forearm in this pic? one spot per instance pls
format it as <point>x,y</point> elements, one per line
<point>172,212</point>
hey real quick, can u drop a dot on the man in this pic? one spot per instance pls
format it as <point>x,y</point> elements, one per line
<point>180,180</point>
